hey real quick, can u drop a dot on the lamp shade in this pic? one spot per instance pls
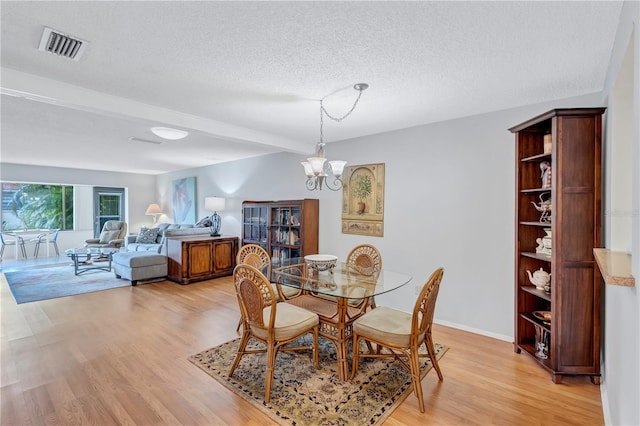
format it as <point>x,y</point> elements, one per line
<point>153,209</point>
<point>307,168</point>
<point>317,164</point>
<point>214,204</point>
<point>337,167</point>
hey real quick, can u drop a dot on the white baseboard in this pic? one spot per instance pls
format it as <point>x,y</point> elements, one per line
<point>475,330</point>
<point>604,397</point>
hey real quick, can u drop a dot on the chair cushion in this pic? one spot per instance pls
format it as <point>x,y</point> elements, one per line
<point>106,236</point>
<point>385,325</point>
<point>289,291</point>
<point>113,225</point>
<point>156,248</point>
<point>290,321</point>
<point>134,259</point>
<point>356,296</point>
<point>147,235</point>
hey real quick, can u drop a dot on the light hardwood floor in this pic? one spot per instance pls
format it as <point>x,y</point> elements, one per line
<point>120,357</point>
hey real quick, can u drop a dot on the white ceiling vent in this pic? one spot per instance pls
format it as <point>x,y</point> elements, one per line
<point>62,44</point>
<point>133,138</point>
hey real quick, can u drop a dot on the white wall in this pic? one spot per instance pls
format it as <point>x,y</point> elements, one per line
<point>140,191</point>
<point>449,201</point>
<point>621,357</point>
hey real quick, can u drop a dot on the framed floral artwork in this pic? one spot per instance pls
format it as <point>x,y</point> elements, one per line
<point>363,200</point>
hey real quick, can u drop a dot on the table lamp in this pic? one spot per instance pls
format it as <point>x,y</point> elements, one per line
<point>154,210</point>
<point>215,205</point>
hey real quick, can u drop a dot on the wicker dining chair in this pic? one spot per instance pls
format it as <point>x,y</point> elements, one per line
<point>366,260</point>
<point>402,333</point>
<point>256,256</point>
<point>274,324</point>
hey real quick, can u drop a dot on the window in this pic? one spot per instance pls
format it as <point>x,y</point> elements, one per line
<point>33,206</point>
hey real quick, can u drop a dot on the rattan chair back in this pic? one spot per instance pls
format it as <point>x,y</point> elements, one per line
<point>365,259</point>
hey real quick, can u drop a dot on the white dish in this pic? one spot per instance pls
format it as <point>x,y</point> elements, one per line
<point>321,262</point>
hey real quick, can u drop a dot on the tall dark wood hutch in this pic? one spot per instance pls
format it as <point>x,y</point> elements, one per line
<point>572,157</point>
<point>285,229</point>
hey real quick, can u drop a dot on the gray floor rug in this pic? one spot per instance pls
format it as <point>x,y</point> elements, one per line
<point>52,281</point>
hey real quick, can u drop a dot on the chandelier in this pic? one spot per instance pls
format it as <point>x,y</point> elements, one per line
<point>319,171</point>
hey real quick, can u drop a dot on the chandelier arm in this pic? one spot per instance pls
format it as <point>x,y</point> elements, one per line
<point>335,185</point>
<point>312,183</point>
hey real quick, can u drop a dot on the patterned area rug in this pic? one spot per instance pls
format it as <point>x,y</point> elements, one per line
<point>52,281</point>
<point>302,395</point>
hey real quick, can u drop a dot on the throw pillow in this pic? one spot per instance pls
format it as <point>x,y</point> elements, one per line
<point>106,236</point>
<point>204,223</point>
<point>147,235</point>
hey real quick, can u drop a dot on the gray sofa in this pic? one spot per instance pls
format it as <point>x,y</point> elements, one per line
<point>165,230</point>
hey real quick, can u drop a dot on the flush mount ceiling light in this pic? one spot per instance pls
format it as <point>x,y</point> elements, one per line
<point>318,169</point>
<point>169,133</point>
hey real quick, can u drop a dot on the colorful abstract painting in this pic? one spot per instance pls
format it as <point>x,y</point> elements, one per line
<point>184,200</point>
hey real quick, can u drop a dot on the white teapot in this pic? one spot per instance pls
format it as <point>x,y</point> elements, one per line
<point>539,278</point>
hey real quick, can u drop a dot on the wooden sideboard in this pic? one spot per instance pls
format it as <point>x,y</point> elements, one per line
<point>199,258</point>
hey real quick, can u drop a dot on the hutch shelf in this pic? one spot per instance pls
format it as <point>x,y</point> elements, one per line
<point>285,229</point>
<point>562,175</point>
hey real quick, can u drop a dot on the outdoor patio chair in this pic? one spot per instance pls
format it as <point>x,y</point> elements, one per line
<point>9,239</point>
<point>52,237</point>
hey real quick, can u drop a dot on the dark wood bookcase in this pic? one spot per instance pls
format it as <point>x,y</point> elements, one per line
<point>572,337</point>
<point>285,229</point>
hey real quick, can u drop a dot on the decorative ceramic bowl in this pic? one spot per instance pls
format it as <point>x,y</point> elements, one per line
<point>544,316</point>
<point>321,262</point>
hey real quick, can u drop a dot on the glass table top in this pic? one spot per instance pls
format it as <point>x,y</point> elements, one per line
<point>341,281</point>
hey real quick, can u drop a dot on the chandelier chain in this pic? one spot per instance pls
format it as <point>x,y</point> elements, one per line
<point>323,111</point>
<point>347,114</point>
<point>318,170</point>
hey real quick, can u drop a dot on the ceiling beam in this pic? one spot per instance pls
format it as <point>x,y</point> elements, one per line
<point>40,89</point>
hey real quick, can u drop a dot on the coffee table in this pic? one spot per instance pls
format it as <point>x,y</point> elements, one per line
<point>82,259</point>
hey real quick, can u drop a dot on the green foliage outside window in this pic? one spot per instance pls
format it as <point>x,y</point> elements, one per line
<point>34,206</point>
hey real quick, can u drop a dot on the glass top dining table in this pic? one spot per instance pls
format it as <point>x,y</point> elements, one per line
<point>346,287</point>
<point>342,281</point>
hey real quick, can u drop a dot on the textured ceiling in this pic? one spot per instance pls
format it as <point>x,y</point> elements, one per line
<point>245,77</point>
